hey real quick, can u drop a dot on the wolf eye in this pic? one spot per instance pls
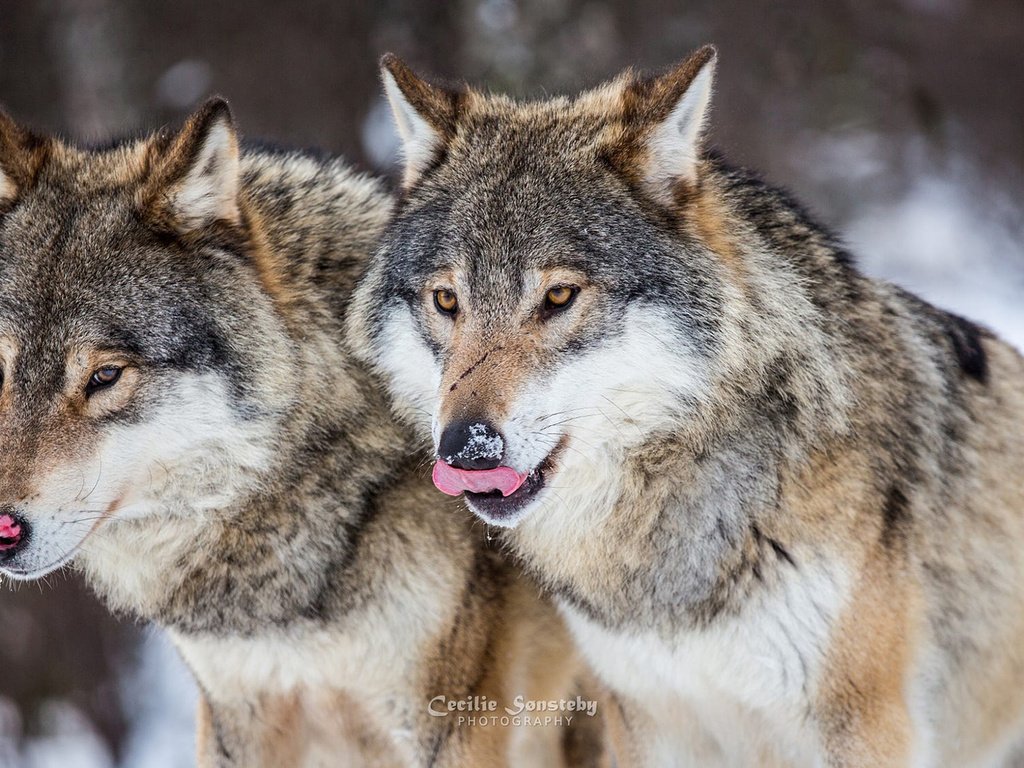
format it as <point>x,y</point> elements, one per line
<point>103,378</point>
<point>559,298</point>
<point>446,301</point>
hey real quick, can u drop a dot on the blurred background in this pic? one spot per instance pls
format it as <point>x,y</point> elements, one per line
<point>900,123</point>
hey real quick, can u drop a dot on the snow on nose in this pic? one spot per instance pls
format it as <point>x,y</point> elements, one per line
<point>471,445</point>
<point>484,443</point>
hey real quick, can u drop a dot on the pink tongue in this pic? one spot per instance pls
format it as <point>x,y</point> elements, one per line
<point>454,481</point>
<point>9,530</point>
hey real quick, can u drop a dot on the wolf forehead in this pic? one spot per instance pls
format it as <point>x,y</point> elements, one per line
<point>94,280</point>
<point>487,208</point>
<point>501,229</point>
<point>504,185</point>
<point>80,270</point>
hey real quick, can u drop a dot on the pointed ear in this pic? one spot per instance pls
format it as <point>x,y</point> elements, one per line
<point>194,177</point>
<point>671,111</point>
<point>21,154</point>
<point>425,115</point>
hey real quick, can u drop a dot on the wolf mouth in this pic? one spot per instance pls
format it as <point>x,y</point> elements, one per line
<point>28,574</point>
<point>505,511</point>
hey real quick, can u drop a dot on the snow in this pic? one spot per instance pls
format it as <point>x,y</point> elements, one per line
<point>483,443</point>
<point>160,698</point>
<point>958,247</point>
<point>67,740</point>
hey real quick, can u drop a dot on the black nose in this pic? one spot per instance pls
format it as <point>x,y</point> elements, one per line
<point>13,532</point>
<point>470,444</point>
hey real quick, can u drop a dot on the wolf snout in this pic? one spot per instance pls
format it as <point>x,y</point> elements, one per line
<point>13,532</point>
<point>473,445</point>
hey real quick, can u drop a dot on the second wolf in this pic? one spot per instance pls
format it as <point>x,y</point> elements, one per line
<point>180,418</point>
<point>781,503</point>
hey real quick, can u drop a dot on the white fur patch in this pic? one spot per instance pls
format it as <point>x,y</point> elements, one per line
<point>674,147</point>
<point>209,191</point>
<point>420,141</point>
<point>192,456</point>
<point>414,376</point>
<point>603,403</point>
<point>743,683</point>
<point>8,189</point>
<point>195,451</point>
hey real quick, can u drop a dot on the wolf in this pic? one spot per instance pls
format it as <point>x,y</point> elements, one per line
<point>779,502</point>
<point>181,420</point>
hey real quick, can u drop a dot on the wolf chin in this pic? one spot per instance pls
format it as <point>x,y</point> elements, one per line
<point>780,503</point>
<point>180,419</point>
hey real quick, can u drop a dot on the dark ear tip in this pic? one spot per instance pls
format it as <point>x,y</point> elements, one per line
<point>391,63</point>
<point>214,109</point>
<point>706,53</point>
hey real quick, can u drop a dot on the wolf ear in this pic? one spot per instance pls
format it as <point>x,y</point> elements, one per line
<point>672,109</point>
<point>20,156</point>
<point>195,179</point>
<point>425,114</point>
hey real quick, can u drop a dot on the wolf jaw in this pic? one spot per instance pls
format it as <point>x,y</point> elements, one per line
<point>824,453</point>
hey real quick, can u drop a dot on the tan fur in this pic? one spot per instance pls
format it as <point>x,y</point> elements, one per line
<point>25,153</point>
<point>862,696</point>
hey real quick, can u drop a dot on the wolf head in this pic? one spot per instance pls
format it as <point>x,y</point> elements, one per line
<point>545,294</point>
<point>136,349</point>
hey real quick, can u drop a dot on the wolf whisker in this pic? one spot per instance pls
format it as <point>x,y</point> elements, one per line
<point>553,441</point>
<point>95,485</point>
<point>566,421</point>
<point>82,488</point>
<point>562,413</point>
<point>629,419</point>
<point>78,520</point>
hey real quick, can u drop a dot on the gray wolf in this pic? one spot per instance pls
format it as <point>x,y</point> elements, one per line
<point>181,420</point>
<point>780,503</point>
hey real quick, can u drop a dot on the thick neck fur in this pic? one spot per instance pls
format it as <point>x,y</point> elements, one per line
<point>705,507</point>
<point>280,540</point>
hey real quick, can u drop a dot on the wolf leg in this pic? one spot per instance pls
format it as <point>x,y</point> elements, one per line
<point>862,709</point>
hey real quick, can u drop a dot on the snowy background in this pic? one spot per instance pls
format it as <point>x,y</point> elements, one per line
<point>900,123</point>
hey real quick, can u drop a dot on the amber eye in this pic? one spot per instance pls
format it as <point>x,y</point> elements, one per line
<point>103,378</point>
<point>560,297</point>
<point>446,301</point>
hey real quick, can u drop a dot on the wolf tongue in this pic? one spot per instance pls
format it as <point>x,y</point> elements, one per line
<point>453,481</point>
